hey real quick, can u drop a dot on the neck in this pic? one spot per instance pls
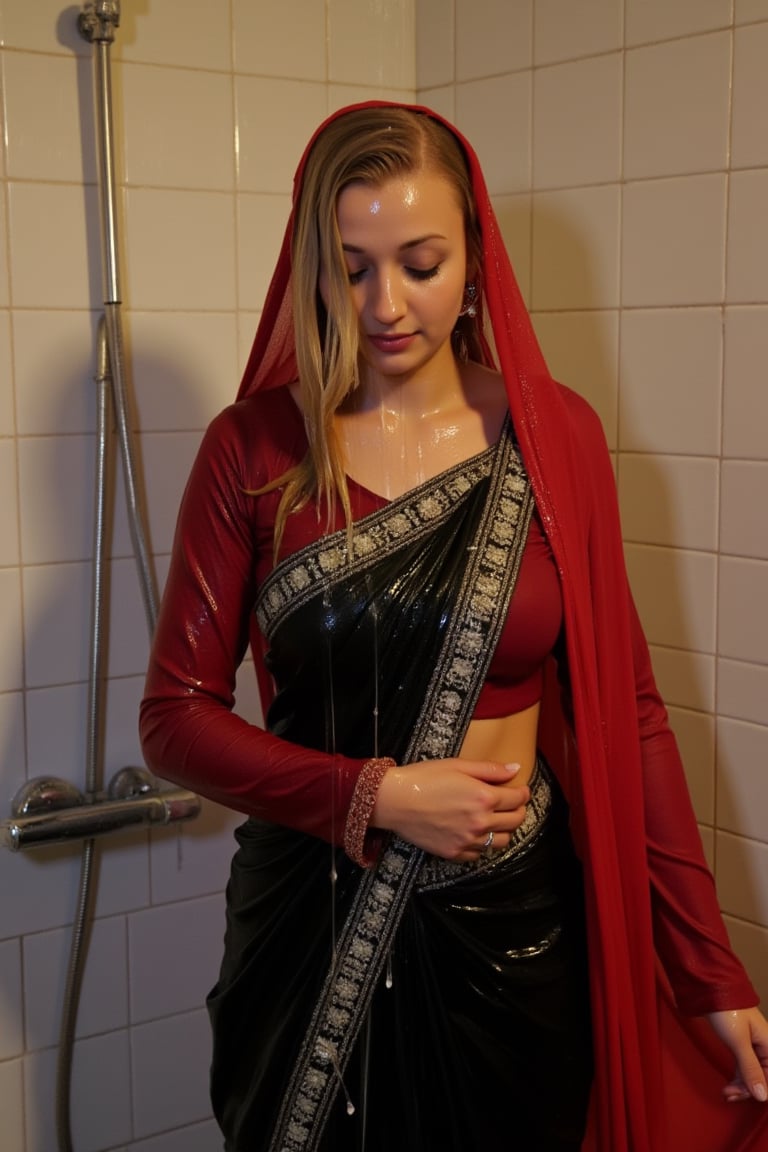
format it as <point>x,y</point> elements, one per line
<point>433,389</point>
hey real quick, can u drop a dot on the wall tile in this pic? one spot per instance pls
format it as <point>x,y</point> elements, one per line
<point>124,878</point>
<point>56,732</point>
<point>742,877</point>
<point>290,42</point>
<point>261,224</point>
<point>673,241</point>
<point>750,944</point>
<point>11,675</point>
<point>577,122</point>
<point>341,95</point>
<point>708,844</point>
<point>749,140</point>
<point>565,31</point>
<point>745,397</point>
<point>743,594</point>
<point>495,116</point>
<point>747,267</point>
<point>191,109</point>
<point>44,28</point>
<point>54,228</point>
<point>121,743</point>
<point>169,1060</point>
<point>168,458</point>
<point>194,1138</point>
<point>9,525</point>
<point>514,216</point>
<point>193,859</point>
<point>39,890</point>
<point>12,1105</point>
<point>128,628</point>
<point>247,323</point>
<point>372,43</point>
<point>435,40</point>
<point>11,1025</point>
<point>54,366</point>
<point>747,11</point>
<point>13,757</point>
<point>184,367</point>
<point>684,617</point>
<point>677,106</point>
<point>56,497</point>
<point>190,931</point>
<point>56,621</point>
<point>742,778</point>
<point>686,679</point>
<point>103,1004</point>
<point>649,20</point>
<point>176,32</point>
<point>440,100</point>
<point>695,733</point>
<point>57,610</point>
<point>4,258</point>
<point>270,147</point>
<point>49,139</point>
<point>7,407</point>
<point>492,37</point>
<point>744,495</point>
<point>581,349</point>
<point>576,249</point>
<point>101,1115</point>
<point>670,500</point>
<point>182,251</point>
<point>742,690</point>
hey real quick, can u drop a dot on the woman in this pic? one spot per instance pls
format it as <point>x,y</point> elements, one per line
<point>414,542</point>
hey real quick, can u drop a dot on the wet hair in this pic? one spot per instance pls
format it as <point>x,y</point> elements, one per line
<point>364,146</point>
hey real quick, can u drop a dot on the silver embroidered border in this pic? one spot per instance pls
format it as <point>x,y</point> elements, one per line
<point>383,892</point>
<point>322,563</point>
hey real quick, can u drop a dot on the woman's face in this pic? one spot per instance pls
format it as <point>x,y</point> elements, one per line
<point>405,251</point>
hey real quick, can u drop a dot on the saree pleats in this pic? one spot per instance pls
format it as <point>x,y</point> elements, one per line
<point>482,1024</point>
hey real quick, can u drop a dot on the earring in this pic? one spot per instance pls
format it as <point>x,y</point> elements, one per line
<point>469,307</point>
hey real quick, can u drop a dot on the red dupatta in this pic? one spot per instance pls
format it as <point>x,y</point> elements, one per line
<point>657,1078</point>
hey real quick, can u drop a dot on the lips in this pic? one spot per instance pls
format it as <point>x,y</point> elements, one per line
<point>392,343</point>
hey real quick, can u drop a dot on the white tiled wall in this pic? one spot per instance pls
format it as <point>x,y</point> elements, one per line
<point>628,155</point>
<point>213,102</point>
<point>606,131</point>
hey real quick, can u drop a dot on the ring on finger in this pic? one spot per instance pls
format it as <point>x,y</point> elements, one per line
<point>488,843</point>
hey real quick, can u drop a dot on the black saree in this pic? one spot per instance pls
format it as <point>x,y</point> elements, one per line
<point>383,652</point>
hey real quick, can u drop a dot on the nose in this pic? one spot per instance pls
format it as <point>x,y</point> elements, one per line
<point>386,301</point>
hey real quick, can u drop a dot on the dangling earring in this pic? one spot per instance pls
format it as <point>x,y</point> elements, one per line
<point>468,306</point>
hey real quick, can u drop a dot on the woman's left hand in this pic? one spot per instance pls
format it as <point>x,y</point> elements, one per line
<point>745,1032</point>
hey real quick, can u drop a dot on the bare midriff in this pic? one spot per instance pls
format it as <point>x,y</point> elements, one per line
<point>506,739</point>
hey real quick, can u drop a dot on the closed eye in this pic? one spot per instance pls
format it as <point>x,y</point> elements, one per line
<point>423,273</point>
<point>420,274</point>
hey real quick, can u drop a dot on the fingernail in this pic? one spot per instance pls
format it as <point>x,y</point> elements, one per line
<point>513,769</point>
<point>759,1092</point>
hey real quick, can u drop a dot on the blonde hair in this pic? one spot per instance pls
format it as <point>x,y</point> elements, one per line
<point>368,146</point>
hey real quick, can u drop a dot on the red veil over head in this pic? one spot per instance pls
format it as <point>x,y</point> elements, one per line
<point>658,1078</point>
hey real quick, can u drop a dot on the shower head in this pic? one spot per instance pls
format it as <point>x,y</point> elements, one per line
<point>98,21</point>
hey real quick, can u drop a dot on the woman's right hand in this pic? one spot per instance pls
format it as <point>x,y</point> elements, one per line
<point>449,807</point>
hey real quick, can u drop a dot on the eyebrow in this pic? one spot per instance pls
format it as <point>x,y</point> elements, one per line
<point>355,250</point>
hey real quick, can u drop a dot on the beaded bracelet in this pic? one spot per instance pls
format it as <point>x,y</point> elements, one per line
<point>361,807</point>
